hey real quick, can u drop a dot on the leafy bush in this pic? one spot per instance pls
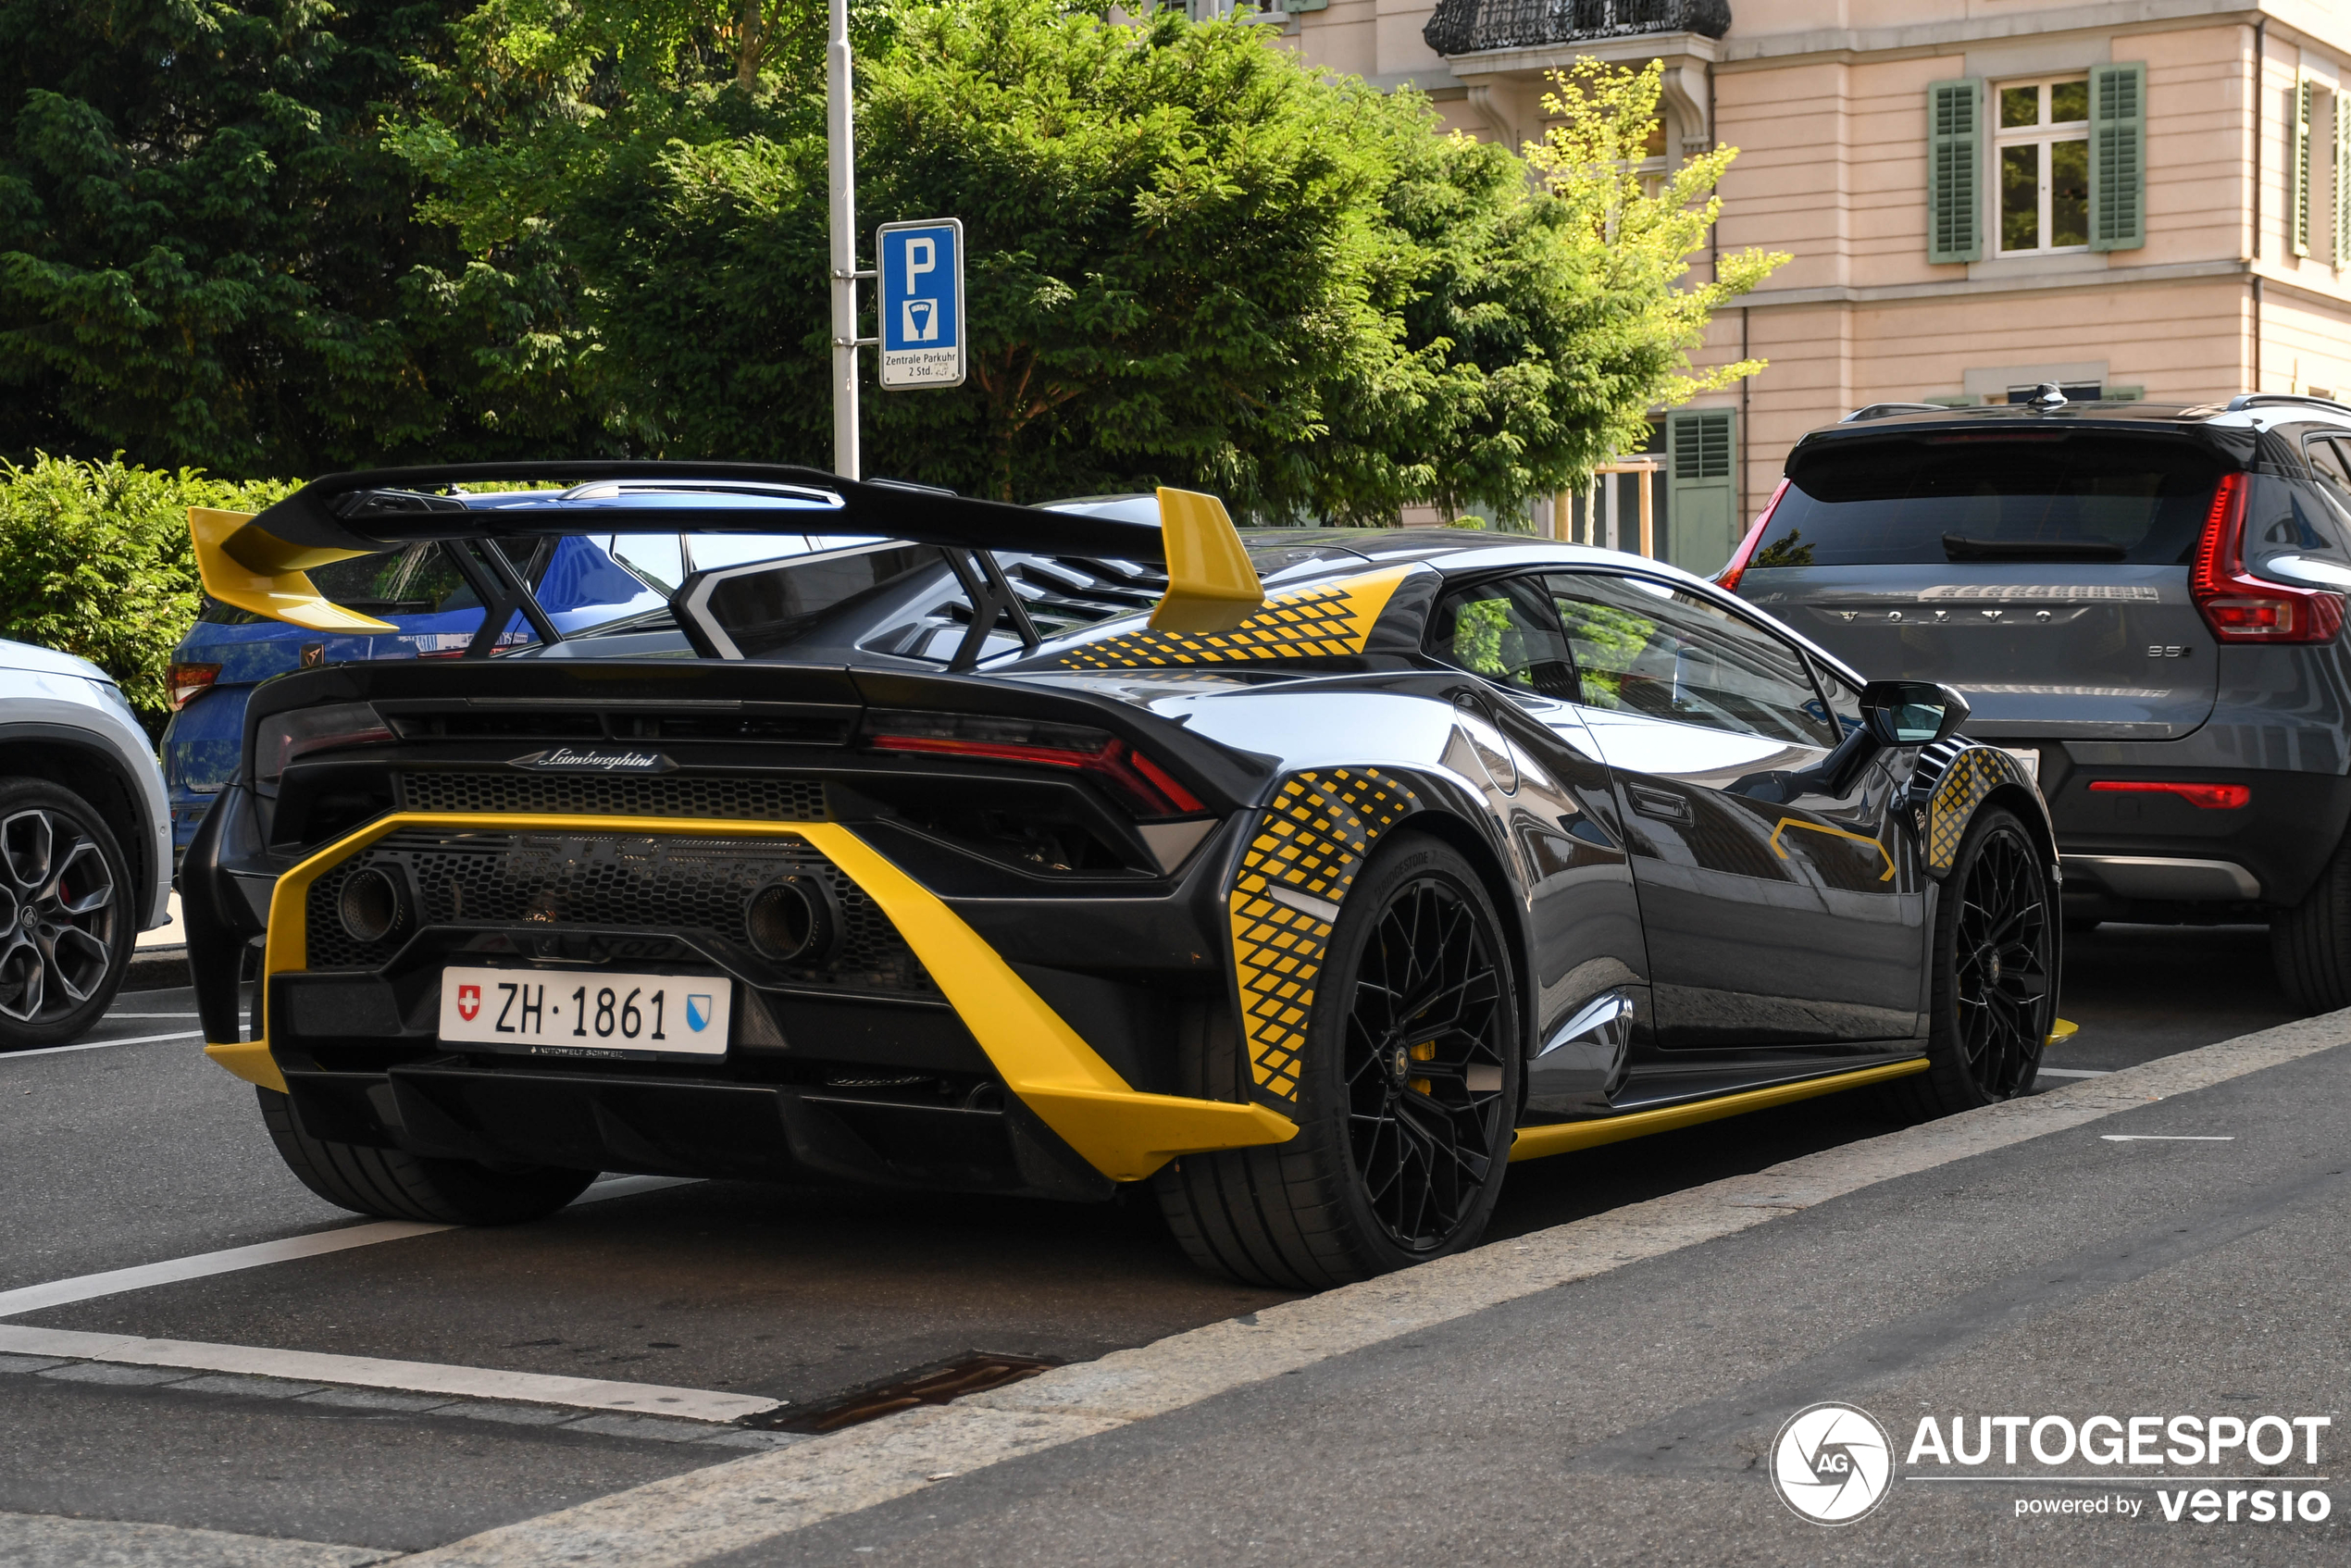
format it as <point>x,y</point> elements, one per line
<point>96,560</point>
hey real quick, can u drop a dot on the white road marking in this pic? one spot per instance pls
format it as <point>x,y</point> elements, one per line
<point>99,1045</point>
<point>90,1543</point>
<point>2075,1072</point>
<point>231,1259</point>
<point>372,1371</point>
<point>743,1505</point>
<point>2166,1137</point>
<point>114,1282</point>
<point>112,1017</point>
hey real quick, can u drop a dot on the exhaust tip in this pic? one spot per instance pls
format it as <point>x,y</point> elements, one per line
<point>373,906</point>
<point>793,920</point>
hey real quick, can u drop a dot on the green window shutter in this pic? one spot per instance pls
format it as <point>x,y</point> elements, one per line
<point>1954,166</point>
<point>2117,158</point>
<point>1701,489</point>
<point>2342,180</point>
<point>2301,207</point>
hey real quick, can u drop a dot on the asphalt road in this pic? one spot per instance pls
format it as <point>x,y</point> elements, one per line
<point>129,1154</point>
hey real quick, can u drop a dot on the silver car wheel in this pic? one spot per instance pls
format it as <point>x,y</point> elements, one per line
<point>57,900</point>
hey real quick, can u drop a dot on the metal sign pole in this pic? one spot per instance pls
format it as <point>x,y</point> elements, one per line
<point>842,169</point>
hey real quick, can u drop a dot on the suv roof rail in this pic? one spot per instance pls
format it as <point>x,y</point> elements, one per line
<point>2255,400</point>
<point>1887,410</point>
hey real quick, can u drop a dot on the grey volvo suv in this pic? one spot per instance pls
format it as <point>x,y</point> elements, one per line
<point>2145,601</point>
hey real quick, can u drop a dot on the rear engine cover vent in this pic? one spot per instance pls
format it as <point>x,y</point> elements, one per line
<point>735,798</point>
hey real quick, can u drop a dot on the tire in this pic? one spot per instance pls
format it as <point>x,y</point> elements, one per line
<point>68,916</point>
<point>2311,943</point>
<point>1398,1158</point>
<point>395,1184</point>
<point>1995,958</point>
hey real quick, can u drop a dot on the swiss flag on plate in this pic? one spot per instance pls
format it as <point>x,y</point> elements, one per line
<point>469,1002</point>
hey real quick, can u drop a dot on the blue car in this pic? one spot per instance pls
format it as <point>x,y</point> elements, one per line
<point>583,583</point>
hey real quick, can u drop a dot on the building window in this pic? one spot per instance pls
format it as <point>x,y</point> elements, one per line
<point>2043,147</point>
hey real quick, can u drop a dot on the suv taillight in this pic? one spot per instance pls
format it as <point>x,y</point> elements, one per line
<point>2243,608</point>
<point>1728,577</point>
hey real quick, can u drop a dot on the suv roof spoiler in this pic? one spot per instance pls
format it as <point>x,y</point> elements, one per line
<point>260,562</point>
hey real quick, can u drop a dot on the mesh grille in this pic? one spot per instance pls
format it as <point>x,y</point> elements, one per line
<point>690,888</point>
<point>331,946</point>
<point>753,799</point>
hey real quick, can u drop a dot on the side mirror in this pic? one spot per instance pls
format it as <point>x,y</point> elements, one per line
<point>1912,713</point>
<point>1894,713</point>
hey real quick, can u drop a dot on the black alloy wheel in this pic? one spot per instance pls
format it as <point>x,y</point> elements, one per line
<point>1423,1062</point>
<point>1996,971</point>
<point>65,921</point>
<point>1408,1095</point>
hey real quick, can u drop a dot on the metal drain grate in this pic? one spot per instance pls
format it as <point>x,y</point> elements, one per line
<point>973,1374</point>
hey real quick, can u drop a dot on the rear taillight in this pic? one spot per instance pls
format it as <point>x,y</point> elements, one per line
<point>187,683</point>
<point>2243,608</point>
<point>1136,779</point>
<point>1728,577</point>
<point>284,737</point>
<point>2205,797</point>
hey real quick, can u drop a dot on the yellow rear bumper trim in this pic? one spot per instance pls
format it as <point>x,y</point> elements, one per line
<point>249,1060</point>
<point>1534,1142</point>
<point>1122,1133</point>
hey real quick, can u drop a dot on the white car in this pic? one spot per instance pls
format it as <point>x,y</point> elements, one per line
<point>85,843</point>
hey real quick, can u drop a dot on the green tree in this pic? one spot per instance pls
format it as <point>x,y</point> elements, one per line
<point>1168,227</point>
<point>96,560</point>
<point>1191,259</point>
<point>206,255</point>
<point>1544,318</point>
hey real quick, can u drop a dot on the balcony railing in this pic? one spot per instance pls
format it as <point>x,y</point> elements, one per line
<point>1464,27</point>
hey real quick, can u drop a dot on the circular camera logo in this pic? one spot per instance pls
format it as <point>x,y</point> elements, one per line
<point>1832,1463</point>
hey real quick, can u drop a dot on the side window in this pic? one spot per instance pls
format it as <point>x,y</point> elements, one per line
<point>712,550</point>
<point>2326,461</point>
<point>2330,461</point>
<point>654,556</point>
<point>1504,630</point>
<point>1844,698</point>
<point>2283,516</point>
<point>1643,647</point>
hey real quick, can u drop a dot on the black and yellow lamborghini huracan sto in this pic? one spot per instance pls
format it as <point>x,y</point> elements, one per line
<point>1312,878</point>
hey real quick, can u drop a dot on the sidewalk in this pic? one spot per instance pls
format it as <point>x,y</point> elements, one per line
<point>159,961</point>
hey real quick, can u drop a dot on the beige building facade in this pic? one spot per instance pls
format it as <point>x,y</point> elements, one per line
<point>2131,198</point>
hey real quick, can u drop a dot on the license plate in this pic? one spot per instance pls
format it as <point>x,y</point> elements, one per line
<point>2029,759</point>
<point>560,1012</point>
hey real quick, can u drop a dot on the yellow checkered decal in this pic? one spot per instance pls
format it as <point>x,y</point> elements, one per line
<point>1330,618</point>
<point>1973,774</point>
<point>1310,843</point>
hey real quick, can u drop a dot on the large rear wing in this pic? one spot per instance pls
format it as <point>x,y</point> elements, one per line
<point>261,562</point>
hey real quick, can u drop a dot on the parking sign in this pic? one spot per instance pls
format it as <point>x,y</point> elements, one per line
<point>922,302</point>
